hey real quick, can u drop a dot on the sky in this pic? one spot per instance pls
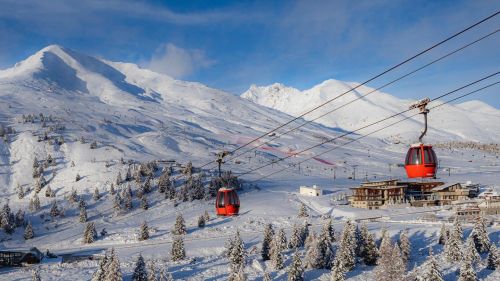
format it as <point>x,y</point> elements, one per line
<point>231,45</point>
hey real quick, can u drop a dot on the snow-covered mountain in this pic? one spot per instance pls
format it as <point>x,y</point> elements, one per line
<point>471,121</point>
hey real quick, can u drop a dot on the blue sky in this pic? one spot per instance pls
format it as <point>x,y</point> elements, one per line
<point>232,44</point>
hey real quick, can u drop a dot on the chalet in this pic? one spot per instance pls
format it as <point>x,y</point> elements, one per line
<point>490,207</point>
<point>311,190</point>
<point>20,257</point>
<point>448,193</point>
<point>374,195</point>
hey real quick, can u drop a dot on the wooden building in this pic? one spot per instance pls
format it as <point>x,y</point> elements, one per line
<point>375,195</point>
<point>20,257</point>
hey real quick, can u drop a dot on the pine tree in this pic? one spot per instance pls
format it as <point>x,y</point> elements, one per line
<point>96,196</point>
<point>28,232</point>
<point>117,202</point>
<point>54,210</point>
<point>276,254</point>
<point>83,214</point>
<point>140,273</point>
<point>165,275</point>
<point>170,191</point>
<point>467,272</point>
<point>405,245</point>
<point>313,255</point>
<point>90,234</point>
<point>206,216</point>
<point>338,270</point>
<point>238,254</point>
<point>452,248</point>
<point>35,275</point>
<point>180,226</point>
<point>237,273</point>
<point>370,251</point>
<point>152,271</point>
<point>147,185</point>
<point>470,251</point>
<point>144,202</point>
<point>201,221</point>
<point>266,276</point>
<point>127,200</point>
<point>144,231</point>
<point>328,230</point>
<point>493,258</point>
<point>295,238</point>
<point>390,265</point>
<point>303,211</point>
<point>36,202</point>
<point>19,219</point>
<point>281,236</point>
<point>113,271</point>
<point>112,189</point>
<point>100,273</point>
<point>304,233</point>
<point>442,235</point>
<point>266,242</point>
<point>348,246</point>
<point>431,269</point>
<point>48,192</point>
<point>119,179</point>
<point>73,196</point>
<point>78,177</point>
<point>479,235</point>
<point>20,191</point>
<point>295,271</point>
<point>178,252</point>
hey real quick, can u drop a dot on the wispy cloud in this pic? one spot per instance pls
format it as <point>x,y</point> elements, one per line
<point>178,62</point>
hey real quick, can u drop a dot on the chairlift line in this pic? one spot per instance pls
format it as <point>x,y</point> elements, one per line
<point>368,125</point>
<point>378,130</point>
<point>363,96</point>
<point>365,82</point>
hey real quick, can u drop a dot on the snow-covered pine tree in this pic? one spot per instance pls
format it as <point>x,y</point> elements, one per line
<point>442,234</point>
<point>78,177</point>
<point>119,179</point>
<point>165,275</point>
<point>113,270</point>
<point>479,235</point>
<point>73,196</point>
<point>348,246</point>
<point>127,200</point>
<point>83,214</point>
<point>112,190</point>
<point>28,231</point>
<point>143,232</point>
<point>19,218</point>
<point>201,221</point>
<point>470,251</point>
<point>328,230</point>
<point>310,240</point>
<point>304,233</point>
<point>140,273</point>
<point>431,270</point>
<point>206,216</point>
<point>266,276</point>
<point>295,270</point>
<point>48,192</point>
<point>238,253</point>
<point>237,273</point>
<point>467,271</point>
<point>338,270</point>
<point>178,252</point>
<point>147,185</point>
<point>457,227</point>
<point>390,265</point>
<point>54,210</point>
<point>405,246</point>
<point>295,237</point>
<point>303,211</point>
<point>90,234</point>
<point>20,191</point>
<point>152,276</point>
<point>197,190</point>
<point>35,163</point>
<point>117,202</point>
<point>170,191</point>
<point>162,183</point>
<point>180,226</point>
<point>266,242</point>
<point>493,258</point>
<point>144,202</point>
<point>452,248</point>
<point>100,273</point>
<point>281,236</point>
<point>96,196</point>
<point>324,245</point>
<point>313,254</point>
<point>370,252</point>
<point>35,275</point>
<point>36,202</point>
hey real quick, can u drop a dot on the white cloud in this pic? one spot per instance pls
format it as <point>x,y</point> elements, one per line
<point>178,62</point>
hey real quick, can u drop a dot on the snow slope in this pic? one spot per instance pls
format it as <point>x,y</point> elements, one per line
<point>471,121</point>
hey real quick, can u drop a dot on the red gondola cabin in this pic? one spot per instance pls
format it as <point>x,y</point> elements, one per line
<point>227,202</point>
<point>421,161</point>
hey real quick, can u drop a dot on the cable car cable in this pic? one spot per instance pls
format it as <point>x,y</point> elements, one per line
<point>378,130</point>
<point>366,126</point>
<point>370,92</point>
<point>367,81</point>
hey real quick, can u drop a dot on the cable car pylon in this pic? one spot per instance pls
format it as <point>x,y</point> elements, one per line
<point>227,202</point>
<point>421,159</point>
